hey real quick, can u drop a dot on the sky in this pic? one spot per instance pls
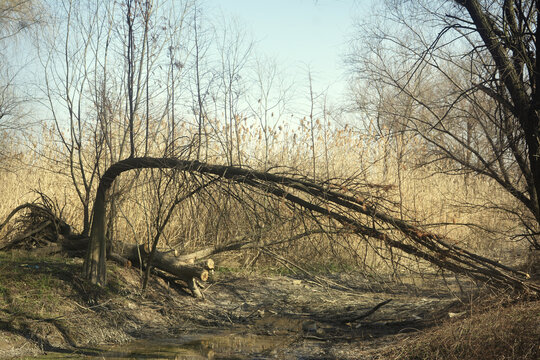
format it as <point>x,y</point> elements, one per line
<point>300,34</point>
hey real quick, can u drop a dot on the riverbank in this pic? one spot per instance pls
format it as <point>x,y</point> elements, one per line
<point>46,307</point>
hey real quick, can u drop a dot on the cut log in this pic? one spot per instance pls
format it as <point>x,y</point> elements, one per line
<point>167,262</point>
<point>120,259</point>
<point>207,264</point>
<point>203,253</point>
<point>183,285</point>
<point>74,242</point>
<point>243,243</point>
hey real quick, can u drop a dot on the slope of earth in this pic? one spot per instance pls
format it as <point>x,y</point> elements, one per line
<point>46,307</point>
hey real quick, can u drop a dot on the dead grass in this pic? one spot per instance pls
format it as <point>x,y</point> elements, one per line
<point>46,303</point>
<point>501,333</point>
<point>449,203</point>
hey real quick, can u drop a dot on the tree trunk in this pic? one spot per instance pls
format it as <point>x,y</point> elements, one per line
<point>169,263</point>
<point>95,261</point>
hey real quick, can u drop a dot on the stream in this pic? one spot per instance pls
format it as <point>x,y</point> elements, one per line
<point>202,346</point>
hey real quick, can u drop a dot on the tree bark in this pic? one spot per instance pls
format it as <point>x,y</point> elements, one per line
<point>94,267</point>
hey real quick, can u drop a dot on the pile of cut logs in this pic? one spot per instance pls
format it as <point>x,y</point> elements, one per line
<point>193,273</point>
<point>39,230</point>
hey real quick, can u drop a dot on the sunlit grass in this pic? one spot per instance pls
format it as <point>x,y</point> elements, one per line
<point>446,204</point>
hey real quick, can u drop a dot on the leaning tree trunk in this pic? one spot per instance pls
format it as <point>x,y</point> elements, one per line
<point>96,256</point>
<point>421,244</point>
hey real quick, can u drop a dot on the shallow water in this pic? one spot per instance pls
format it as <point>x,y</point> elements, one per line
<point>207,346</point>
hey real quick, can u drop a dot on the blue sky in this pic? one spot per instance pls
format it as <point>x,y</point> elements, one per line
<point>300,34</point>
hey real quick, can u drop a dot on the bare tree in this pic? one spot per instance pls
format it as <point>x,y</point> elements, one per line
<point>234,49</point>
<point>203,79</point>
<point>103,79</point>
<point>12,112</point>
<point>462,75</point>
<point>269,101</point>
<point>84,141</point>
<point>355,214</point>
<point>17,17</point>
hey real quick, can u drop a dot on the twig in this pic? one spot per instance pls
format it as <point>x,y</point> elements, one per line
<point>317,279</point>
<point>28,234</point>
<point>367,313</point>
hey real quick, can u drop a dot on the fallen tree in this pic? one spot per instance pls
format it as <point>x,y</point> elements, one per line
<point>45,233</point>
<point>355,214</point>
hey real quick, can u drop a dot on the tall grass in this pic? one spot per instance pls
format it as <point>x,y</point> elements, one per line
<point>464,208</point>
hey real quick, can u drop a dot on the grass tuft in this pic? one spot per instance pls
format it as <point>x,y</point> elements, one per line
<point>500,333</point>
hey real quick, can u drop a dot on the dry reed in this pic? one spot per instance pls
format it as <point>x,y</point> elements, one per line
<point>464,208</point>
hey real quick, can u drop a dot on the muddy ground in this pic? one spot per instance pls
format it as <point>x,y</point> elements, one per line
<point>45,307</point>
